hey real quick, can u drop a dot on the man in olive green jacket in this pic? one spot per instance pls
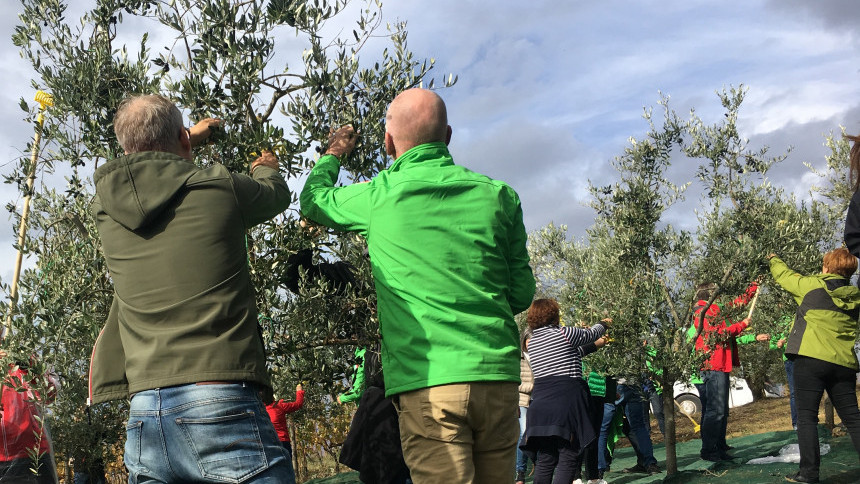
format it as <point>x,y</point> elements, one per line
<point>181,338</point>
<point>448,252</point>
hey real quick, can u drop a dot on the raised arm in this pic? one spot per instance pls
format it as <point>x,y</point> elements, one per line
<point>581,336</point>
<point>264,194</point>
<point>290,407</point>
<point>796,284</point>
<point>342,208</point>
<point>590,348</point>
<point>747,295</point>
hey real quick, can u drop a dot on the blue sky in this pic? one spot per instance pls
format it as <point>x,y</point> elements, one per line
<point>549,92</point>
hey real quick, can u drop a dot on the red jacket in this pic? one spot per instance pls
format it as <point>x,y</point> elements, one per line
<point>278,414</point>
<point>724,354</point>
<point>21,431</point>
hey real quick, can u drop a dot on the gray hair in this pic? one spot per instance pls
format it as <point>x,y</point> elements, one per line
<point>148,123</point>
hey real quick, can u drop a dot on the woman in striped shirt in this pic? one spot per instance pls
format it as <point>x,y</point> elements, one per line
<point>557,425</point>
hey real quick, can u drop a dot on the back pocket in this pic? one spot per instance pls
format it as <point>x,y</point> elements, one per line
<point>227,448</point>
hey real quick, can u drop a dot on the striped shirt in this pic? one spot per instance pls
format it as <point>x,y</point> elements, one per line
<point>557,350</point>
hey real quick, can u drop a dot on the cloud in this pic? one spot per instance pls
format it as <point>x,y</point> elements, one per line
<point>839,14</point>
<point>776,108</point>
<point>807,142</point>
<point>547,166</point>
<point>549,92</point>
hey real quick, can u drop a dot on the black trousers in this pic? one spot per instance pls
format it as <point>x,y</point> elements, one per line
<point>555,455</point>
<point>812,377</point>
<point>589,453</point>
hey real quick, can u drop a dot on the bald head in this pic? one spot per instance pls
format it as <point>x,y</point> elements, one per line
<point>148,123</point>
<point>416,116</point>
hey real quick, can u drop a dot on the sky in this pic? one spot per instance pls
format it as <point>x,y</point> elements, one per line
<point>550,92</point>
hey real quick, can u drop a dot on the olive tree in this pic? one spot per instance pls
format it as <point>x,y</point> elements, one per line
<point>637,268</point>
<point>281,74</point>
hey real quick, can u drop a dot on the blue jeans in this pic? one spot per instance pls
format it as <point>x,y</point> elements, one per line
<point>635,409</point>
<point>218,433</point>
<point>703,397</point>
<point>715,414</point>
<point>522,459</point>
<point>604,458</point>
<point>789,373</point>
<point>656,401</point>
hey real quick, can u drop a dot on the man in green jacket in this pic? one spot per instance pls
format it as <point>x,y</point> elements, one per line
<point>181,340</point>
<point>821,343</point>
<point>448,252</point>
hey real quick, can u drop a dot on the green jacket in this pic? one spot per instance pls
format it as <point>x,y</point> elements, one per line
<point>596,381</point>
<point>448,252</point>
<point>358,383</point>
<point>825,325</point>
<point>173,236</point>
<point>784,323</point>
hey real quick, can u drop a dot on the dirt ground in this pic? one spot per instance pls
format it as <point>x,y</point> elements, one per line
<point>764,415</point>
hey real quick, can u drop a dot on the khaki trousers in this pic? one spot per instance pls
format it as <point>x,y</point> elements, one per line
<point>460,433</point>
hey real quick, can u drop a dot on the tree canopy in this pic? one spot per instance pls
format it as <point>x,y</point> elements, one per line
<point>281,74</point>
<point>636,268</point>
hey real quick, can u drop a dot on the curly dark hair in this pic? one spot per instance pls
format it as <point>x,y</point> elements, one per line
<point>542,312</point>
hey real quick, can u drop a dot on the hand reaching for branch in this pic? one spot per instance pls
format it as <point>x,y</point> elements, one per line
<point>311,229</point>
<point>201,131</point>
<point>342,141</point>
<point>266,159</point>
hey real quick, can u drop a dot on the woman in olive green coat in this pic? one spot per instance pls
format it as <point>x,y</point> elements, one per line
<point>821,343</point>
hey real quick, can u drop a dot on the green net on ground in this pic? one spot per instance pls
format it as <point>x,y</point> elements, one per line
<point>839,466</point>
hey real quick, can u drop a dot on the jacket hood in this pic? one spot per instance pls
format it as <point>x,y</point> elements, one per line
<point>846,297</point>
<point>136,188</point>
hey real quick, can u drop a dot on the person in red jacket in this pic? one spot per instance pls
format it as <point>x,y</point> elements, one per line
<point>717,342</point>
<point>23,432</point>
<point>278,414</point>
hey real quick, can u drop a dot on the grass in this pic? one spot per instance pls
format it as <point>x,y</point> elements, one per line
<point>755,430</point>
